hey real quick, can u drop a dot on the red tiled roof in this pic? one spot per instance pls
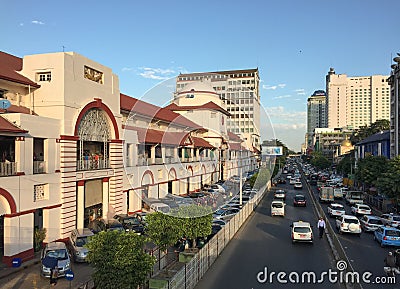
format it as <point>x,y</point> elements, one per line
<point>152,136</point>
<point>6,126</point>
<point>10,65</point>
<point>234,137</point>
<point>128,103</point>
<point>235,146</point>
<point>209,105</point>
<point>202,143</point>
<point>16,109</point>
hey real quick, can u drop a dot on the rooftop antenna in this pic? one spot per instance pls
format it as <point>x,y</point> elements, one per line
<point>63,48</point>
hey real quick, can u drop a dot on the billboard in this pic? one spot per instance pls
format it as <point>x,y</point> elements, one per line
<point>272,151</point>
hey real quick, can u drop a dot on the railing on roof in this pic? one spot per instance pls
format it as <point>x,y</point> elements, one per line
<point>8,169</point>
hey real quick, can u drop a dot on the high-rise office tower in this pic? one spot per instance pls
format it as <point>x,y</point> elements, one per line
<point>394,81</point>
<point>316,114</point>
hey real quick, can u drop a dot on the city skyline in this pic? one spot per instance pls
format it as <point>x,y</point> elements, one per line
<point>148,44</point>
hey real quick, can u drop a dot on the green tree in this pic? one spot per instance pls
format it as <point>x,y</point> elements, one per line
<point>195,221</point>
<point>370,169</point>
<point>366,131</point>
<point>388,183</point>
<point>345,166</point>
<point>119,260</point>
<point>319,161</point>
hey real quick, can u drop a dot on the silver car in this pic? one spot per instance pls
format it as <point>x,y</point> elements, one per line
<point>77,241</point>
<point>56,251</point>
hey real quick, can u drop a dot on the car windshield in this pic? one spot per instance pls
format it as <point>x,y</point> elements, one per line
<point>60,254</point>
<point>277,205</point>
<point>131,221</point>
<point>351,221</point>
<point>363,207</point>
<point>337,207</point>
<point>375,222</point>
<point>393,233</point>
<point>396,218</point>
<point>81,241</point>
<point>301,230</point>
<point>297,198</point>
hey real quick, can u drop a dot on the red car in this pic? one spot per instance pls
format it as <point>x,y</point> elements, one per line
<point>299,200</point>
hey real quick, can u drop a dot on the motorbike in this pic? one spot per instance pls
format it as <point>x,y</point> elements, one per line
<point>391,271</point>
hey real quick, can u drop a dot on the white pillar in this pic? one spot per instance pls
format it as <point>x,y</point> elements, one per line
<point>80,205</point>
<point>106,192</point>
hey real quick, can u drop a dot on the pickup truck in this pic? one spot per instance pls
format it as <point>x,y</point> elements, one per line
<point>354,197</point>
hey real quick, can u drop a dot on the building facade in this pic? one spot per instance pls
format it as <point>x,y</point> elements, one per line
<point>394,81</point>
<point>332,143</point>
<point>73,148</point>
<point>356,101</point>
<point>316,114</point>
<point>376,145</point>
<point>239,90</point>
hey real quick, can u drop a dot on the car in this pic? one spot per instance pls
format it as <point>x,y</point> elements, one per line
<point>277,208</point>
<point>387,236</point>
<point>361,209</point>
<point>391,220</point>
<point>225,214</point>
<point>348,224</point>
<point>219,222</point>
<point>288,177</point>
<point>76,244</point>
<point>298,185</point>
<point>370,223</point>
<point>218,188</point>
<point>130,223</point>
<point>293,181</point>
<point>160,207</point>
<point>299,200</point>
<point>336,210</point>
<point>59,251</point>
<point>114,225</point>
<point>280,194</point>
<point>301,232</point>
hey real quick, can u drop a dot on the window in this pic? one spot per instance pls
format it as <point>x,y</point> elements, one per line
<point>41,192</point>
<point>44,76</point>
<point>213,115</point>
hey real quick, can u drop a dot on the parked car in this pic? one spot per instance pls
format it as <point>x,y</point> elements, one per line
<point>348,224</point>
<point>219,222</point>
<point>301,232</point>
<point>130,223</point>
<point>277,208</point>
<point>77,241</point>
<point>298,186</point>
<point>361,209</point>
<point>114,225</point>
<point>160,207</point>
<point>225,214</point>
<point>387,236</point>
<point>59,252</point>
<point>299,200</point>
<point>336,210</point>
<point>391,220</point>
<point>370,223</point>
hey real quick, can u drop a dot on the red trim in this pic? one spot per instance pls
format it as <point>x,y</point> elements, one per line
<point>19,214</point>
<point>97,104</point>
<point>169,174</point>
<point>151,175</point>
<point>190,167</point>
<point>116,141</point>
<point>20,173</point>
<point>52,207</point>
<point>106,180</point>
<point>25,256</point>
<point>57,171</point>
<point>69,137</point>
<point>81,183</point>
<point>10,200</point>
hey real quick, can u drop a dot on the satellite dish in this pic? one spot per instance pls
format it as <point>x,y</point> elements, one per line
<point>5,104</point>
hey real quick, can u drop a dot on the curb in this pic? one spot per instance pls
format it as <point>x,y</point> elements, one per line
<point>10,270</point>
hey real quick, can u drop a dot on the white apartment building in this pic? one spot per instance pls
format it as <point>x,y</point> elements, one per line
<point>73,147</point>
<point>394,82</point>
<point>240,92</point>
<point>356,101</point>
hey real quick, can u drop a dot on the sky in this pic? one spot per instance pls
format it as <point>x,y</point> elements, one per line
<point>148,43</point>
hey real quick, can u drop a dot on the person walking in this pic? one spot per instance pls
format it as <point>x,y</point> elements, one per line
<point>53,276</point>
<point>321,226</point>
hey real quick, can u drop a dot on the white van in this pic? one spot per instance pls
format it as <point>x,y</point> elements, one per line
<point>160,207</point>
<point>278,208</point>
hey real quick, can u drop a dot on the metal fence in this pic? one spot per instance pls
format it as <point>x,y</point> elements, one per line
<point>188,276</point>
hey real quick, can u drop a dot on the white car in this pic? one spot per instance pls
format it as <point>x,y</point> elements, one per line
<point>391,220</point>
<point>218,188</point>
<point>301,232</point>
<point>336,210</point>
<point>280,194</point>
<point>293,181</point>
<point>361,209</point>
<point>277,208</point>
<point>348,224</point>
<point>298,185</point>
<point>370,223</point>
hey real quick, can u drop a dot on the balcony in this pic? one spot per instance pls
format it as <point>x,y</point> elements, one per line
<point>39,167</point>
<point>88,165</point>
<point>8,169</point>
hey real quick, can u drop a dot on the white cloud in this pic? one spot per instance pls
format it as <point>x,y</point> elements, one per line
<point>300,91</point>
<point>282,96</point>
<point>127,69</point>
<point>37,22</point>
<point>21,24</point>
<point>267,86</point>
<point>282,85</point>
<point>156,73</point>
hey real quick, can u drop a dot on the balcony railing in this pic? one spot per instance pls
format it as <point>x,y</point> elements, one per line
<point>8,169</point>
<point>39,167</point>
<point>88,165</point>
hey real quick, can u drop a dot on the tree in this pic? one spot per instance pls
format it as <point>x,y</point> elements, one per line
<point>319,161</point>
<point>388,183</point>
<point>119,260</point>
<point>345,166</point>
<point>371,168</point>
<point>366,131</point>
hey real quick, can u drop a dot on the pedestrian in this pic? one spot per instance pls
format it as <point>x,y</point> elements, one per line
<point>53,276</point>
<point>321,226</point>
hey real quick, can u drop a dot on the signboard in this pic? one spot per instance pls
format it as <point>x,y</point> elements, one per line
<point>5,104</point>
<point>69,275</point>
<point>16,262</point>
<point>272,151</point>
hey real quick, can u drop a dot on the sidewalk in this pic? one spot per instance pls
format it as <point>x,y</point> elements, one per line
<point>7,271</point>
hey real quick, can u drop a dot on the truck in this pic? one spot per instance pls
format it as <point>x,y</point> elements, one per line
<point>354,197</point>
<point>326,194</point>
<point>338,193</point>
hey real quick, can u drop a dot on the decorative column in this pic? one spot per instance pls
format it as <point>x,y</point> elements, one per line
<point>105,200</point>
<point>115,183</point>
<point>80,205</point>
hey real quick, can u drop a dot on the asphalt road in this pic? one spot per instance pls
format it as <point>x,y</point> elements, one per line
<point>30,278</point>
<point>263,244</point>
<point>363,252</point>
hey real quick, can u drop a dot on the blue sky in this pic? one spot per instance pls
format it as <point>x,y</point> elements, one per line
<point>292,42</point>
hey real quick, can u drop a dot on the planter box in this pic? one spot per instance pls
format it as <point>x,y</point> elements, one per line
<point>187,255</point>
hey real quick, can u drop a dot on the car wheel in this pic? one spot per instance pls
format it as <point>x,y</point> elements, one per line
<point>382,245</point>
